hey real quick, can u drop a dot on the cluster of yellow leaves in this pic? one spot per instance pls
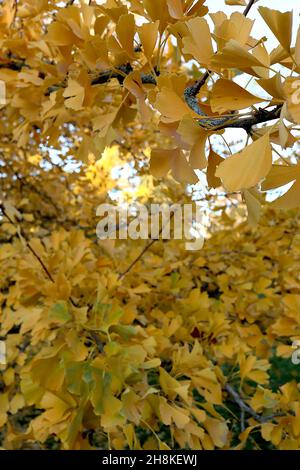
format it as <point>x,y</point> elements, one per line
<point>88,66</point>
<point>144,359</point>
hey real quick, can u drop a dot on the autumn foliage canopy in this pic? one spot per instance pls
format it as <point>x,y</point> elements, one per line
<point>129,344</point>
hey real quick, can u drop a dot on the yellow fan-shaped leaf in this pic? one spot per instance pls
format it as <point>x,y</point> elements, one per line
<point>237,27</point>
<point>280,175</point>
<point>171,106</point>
<point>198,43</point>
<point>148,36</point>
<point>291,199</point>
<point>164,160</point>
<point>273,86</point>
<point>213,161</point>
<point>227,95</point>
<point>235,55</point>
<point>245,169</point>
<point>240,3</point>
<point>125,30</point>
<point>297,47</point>
<point>60,35</point>
<point>253,206</point>
<point>280,23</point>
<point>193,134</point>
<point>217,430</point>
<point>175,8</point>
<point>292,90</point>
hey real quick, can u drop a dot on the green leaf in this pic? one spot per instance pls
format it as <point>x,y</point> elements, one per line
<point>60,312</point>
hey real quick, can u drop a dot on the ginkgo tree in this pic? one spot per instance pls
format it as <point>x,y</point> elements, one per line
<point>112,69</point>
<point>121,344</point>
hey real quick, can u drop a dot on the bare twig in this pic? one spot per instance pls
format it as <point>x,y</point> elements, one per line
<point>247,9</point>
<point>242,420</point>
<point>27,243</point>
<point>146,248</point>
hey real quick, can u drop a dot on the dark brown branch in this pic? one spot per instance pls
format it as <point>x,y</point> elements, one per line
<point>97,340</point>
<point>190,93</point>
<point>257,117</point>
<point>246,408</point>
<point>146,248</point>
<point>247,9</point>
<point>122,70</point>
<point>27,243</point>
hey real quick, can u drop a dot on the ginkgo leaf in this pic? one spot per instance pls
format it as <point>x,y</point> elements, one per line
<point>214,161</point>
<point>60,35</point>
<point>247,168</point>
<point>102,123</point>
<point>148,35</point>
<point>292,90</point>
<point>280,175</point>
<point>198,43</point>
<point>197,158</point>
<point>196,137</point>
<point>75,94</point>
<point>217,430</point>
<point>236,2</point>
<point>181,10</point>
<point>253,206</point>
<point>164,160</point>
<point>228,95</point>
<point>125,30</point>
<point>4,408</point>
<point>261,53</point>
<point>87,149</point>
<point>291,199</point>
<point>100,24</point>
<point>235,55</point>
<point>237,27</point>
<point>171,106</point>
<point>95,54</point>
<point>297,47</point>
<point>174,414</point>
<point>133,83</point>
<point>175,8</point>
<point>273,86</point>
<point>59,312</point>
<point>280,24</point>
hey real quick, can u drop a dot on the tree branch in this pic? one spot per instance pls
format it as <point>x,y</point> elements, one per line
<point>27,243</point>
<point>247,9</point>
<point>246,408</point>
<point>257,117</point>
<point>146,248</point>
<point>190,94</point>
